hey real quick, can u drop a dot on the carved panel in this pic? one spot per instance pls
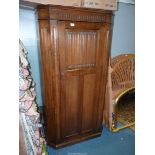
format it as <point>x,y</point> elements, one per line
<point>81,66</point>
<point>56,14</point>
<point>74,14</point>
<point>81,49</point>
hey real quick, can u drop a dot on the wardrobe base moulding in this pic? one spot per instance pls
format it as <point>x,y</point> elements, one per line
<point>76,140</point>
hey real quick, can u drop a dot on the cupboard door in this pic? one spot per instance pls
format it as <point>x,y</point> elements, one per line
<point>82,57</point>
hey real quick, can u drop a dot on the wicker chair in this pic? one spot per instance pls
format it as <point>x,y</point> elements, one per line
<point>121,80</point>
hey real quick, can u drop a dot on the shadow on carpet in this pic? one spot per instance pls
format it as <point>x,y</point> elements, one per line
<point>120,143</point>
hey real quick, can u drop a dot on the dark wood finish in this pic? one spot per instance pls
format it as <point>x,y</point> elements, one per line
<point>74,54</point>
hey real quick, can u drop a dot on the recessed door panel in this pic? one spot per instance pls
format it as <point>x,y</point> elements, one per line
<point>88,102</point>
<point>72,105</point>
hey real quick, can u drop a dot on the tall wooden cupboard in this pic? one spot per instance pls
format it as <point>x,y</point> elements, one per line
<point>75,45</point>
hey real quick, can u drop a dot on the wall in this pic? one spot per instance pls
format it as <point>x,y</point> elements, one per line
<point>28,35</point>
<point>123,38</point>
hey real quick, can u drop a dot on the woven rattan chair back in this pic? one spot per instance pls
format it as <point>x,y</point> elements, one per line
<point>123,72</point>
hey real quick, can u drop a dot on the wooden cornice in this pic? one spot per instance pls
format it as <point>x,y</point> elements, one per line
<point>57,12</point>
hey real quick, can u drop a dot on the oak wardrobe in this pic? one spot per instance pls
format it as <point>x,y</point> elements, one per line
<point>75,45</point>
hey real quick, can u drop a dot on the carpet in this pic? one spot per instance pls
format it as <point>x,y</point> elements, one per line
<point>120,143</point>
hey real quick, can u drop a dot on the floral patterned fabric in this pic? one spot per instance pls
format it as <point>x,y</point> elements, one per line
<point>29,117</point>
